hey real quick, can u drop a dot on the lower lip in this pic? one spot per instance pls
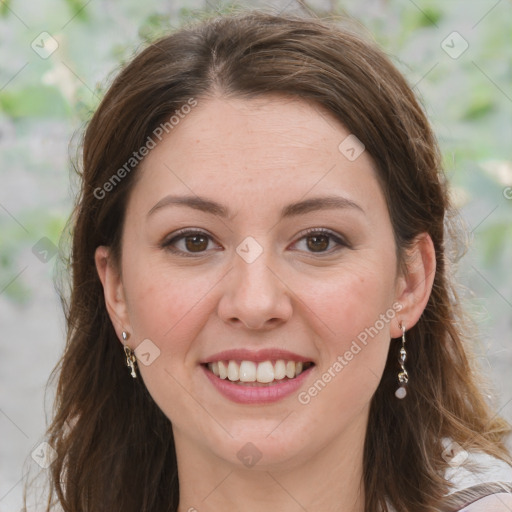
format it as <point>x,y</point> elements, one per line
<point>256,394</point>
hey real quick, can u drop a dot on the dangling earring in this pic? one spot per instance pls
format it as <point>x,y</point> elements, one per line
<point>403,376</point>
<point>131,360</point>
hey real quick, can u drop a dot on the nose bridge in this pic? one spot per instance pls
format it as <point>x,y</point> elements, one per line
<point>255,294</point>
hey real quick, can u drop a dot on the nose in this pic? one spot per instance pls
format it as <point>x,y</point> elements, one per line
<point>255,295</point>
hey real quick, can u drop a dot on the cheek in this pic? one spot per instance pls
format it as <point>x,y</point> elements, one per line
<point>160,304</point>
<point>352,300</point>
<point>353,314</point>
<point>168,310</point>
<point>171,307</point>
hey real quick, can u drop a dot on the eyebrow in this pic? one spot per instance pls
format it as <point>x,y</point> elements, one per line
<point>291,210</point>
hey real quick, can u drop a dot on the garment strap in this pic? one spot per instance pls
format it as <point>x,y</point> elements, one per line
<point>456,501</point>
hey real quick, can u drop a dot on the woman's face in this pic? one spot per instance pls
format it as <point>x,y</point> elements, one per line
<point>248,284</point>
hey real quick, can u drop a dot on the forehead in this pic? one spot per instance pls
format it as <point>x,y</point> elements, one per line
<point>265,147</point>
<point>264,125</point>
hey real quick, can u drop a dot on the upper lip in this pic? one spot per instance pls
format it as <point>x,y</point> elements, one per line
<point>267,354</point>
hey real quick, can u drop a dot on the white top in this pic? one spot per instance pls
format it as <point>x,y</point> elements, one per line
<point>481,482</point>
<point>489,469</point>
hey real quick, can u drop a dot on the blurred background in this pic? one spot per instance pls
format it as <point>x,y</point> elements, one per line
<point>58,56</point>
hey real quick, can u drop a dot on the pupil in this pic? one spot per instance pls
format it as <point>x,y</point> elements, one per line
<point>316,244</point>
<point>196,246</point>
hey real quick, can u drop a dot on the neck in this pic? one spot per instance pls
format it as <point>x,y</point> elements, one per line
<point>331,480</point>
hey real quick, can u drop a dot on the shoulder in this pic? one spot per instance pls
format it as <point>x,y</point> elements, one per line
<point>485,497</point>
<point>479,483</point>
<point>500,502</point>
<point>467,469</point>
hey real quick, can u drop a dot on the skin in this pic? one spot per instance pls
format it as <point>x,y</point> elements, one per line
<point>255,157</point>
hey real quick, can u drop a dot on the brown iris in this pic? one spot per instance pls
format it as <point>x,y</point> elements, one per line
<point>320,242</point>
<point>196,243</point>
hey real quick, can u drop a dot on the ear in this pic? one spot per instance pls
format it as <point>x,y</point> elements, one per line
<point>415,284</point>
<point>110,277</point>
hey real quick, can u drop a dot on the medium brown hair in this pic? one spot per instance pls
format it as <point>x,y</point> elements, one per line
<point>115,446</point>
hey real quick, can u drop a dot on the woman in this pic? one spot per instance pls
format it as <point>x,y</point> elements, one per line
<point>261,314</point>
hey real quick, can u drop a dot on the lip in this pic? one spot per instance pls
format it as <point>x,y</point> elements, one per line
<point>268,354</point>
<point>256,394</point>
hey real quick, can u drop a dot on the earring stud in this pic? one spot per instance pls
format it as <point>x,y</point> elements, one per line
<point>403,376</point>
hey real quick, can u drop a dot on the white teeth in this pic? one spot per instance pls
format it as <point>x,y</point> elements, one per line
<point>265,372</point>
<point>233,371</point>
<point>290,369</point>
<point>223,371</point>
<point>280,370</point>
<point>249,371</point>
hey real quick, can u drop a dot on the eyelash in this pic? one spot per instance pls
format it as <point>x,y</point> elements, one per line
<point>167,244</point>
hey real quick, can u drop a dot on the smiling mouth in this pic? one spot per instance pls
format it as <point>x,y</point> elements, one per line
<point>250,373</point>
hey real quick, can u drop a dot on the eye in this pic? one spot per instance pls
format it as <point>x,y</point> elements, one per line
<point>194,242</point>
<point>318,240</point>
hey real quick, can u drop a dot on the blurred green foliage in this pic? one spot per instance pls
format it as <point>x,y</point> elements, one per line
<point>34,101</point>
<point>78,9</point>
